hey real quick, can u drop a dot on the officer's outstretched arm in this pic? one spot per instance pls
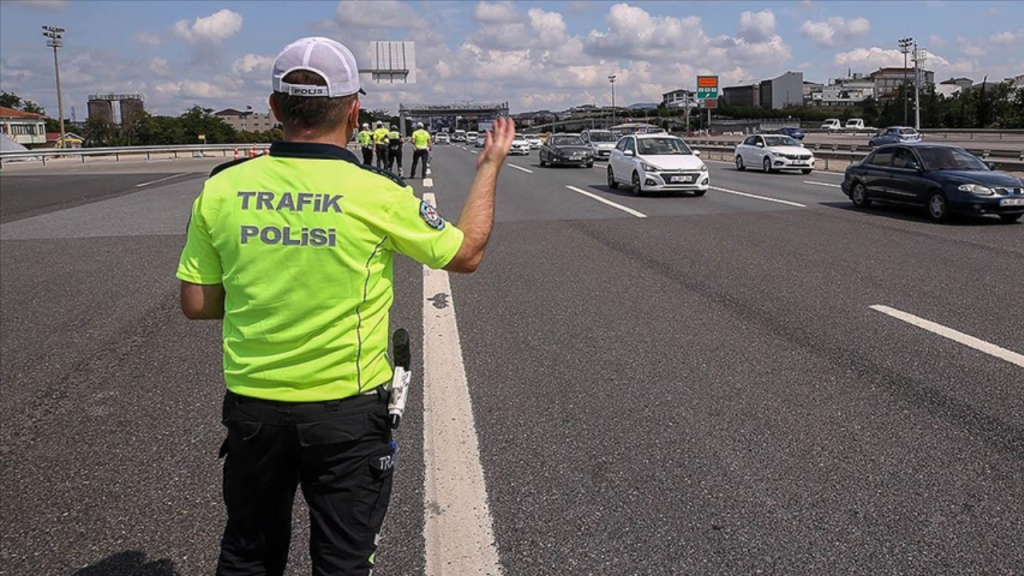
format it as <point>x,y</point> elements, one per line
<point>477,216</point>
<point>202,301</point>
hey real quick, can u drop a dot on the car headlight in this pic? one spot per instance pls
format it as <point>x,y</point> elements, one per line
<point>976,189</point>
<point>703,167</point>
<point>648,167</point>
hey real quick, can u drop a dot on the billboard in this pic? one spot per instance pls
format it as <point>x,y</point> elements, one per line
<point>707,87</point>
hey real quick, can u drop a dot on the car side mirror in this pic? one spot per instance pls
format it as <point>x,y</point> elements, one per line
<point>629,152</point>
<point>991,165</point>
<point>759,145</point>
<point>696,152</point>
<point>912,166</point>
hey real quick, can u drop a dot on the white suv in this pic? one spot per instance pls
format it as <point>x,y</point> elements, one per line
<point>657,163</point>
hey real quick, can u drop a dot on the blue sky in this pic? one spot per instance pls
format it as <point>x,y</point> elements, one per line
<point>532,54</point>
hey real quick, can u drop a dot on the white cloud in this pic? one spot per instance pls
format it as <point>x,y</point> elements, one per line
<point>378,14</point>
<point>496,13</point>
<point>756,26</point>
<point>1005,38</point>
<point>51,5</point>
<point>197,89</point>
<point>147,39</point>
<point>972,50</point>
<point>160,67</point>
<point>212,29</point>
<point>827,33</point>
<point>937,41</point>
<point>253,64</point>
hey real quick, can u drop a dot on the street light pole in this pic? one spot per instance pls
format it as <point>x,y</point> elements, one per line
<point>917,87</point>
<point>611,78</point>
<point>905,44</point>
<point>55,35</point>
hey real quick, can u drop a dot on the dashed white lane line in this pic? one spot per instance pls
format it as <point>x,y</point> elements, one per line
<point>756,197</point>
<point>162,179</point>
<point>826,184</point>
<point>428,182</point>
<point>528,171</point>
<point>969,341</point>
<point>625,209</point>
<point>458,528</point>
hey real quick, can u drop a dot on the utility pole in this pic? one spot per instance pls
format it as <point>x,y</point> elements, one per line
<point>905,44</point>
<point>611,78</point>
<point>55,35</point>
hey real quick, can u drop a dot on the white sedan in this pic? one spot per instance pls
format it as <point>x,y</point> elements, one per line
<point>520,145</point>
<point>657,163</point>
<point>534,141</point>
<point>769,153</point>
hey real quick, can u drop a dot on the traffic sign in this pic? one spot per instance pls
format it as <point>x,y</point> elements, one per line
<point>707,87</point>
<point>709,104</point>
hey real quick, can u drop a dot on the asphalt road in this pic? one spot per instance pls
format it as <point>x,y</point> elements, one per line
<point>702,390</point>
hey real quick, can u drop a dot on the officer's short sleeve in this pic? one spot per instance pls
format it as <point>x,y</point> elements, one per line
<point>417,230</point>
<point>199,262</point>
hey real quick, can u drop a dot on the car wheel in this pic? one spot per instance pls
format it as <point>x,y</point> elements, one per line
<point>859,196</point>
<point>1010,218</point>
<point>766,166</point>
<point>542,161</point>
<point>938,207</point>
<point>638,188</point>
<point>612,183</point>
<point>806,170</point>
<point>739,163</point>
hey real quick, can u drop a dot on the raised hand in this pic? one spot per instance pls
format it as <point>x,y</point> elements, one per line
<point>497,143</point>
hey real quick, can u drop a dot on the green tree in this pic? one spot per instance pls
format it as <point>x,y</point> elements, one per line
<point>9,100</point>
<point>32,107</point>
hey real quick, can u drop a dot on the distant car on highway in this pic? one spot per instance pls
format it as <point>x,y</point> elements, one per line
<point>471,137</point>
<point>566,149</point>
<point>657,163</point>
<point>855,124</point>
<point>535,141</point>
<point>459,136</point>
<point>601,142</point>
<point>770,153</point>
<point>479,140</point>
<point>895,135</point>
<point>520,145</point>
<point>442,138</point>
<point>945,180</point>
<point>790,131</point>
<point>832,125</point>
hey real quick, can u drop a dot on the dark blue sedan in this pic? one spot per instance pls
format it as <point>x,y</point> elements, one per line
<point>795,133</point>
<point>943,179</point>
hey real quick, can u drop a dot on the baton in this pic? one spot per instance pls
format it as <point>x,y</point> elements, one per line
<point>400,381</point>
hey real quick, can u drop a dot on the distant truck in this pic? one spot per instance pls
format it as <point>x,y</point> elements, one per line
<point>832,124</point>
<point>856,125</point>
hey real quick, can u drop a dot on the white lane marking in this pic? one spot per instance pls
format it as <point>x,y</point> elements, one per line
<point>626,209</point>
<point>428,182</point>
<point>458,528</point>
<point>520,168</point>
<point>161,179</point>
<point>828,184</point>
<point>756,197</point>
<point>966,340</point>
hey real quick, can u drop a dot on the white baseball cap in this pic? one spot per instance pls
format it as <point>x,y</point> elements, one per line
<point>328,58</point>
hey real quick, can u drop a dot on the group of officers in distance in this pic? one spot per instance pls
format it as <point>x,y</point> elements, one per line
<point>387,146</point>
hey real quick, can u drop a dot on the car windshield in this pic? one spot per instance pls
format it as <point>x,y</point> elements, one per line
<point>519,137</point>
<point>566,141</point>
<point>780,141</point>
<point>662,146</point>
<point>602,137</point>
<point>949,159</point>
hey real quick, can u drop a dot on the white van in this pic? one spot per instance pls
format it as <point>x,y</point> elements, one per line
<point>832,124</point>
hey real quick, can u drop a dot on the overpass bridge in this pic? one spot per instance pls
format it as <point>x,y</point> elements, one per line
<point>449,110</point>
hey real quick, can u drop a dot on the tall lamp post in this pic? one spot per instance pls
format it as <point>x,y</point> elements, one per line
<point>918,57</point>
<point>905,44</point>
<point>611,78</point>
<point>55,40</point>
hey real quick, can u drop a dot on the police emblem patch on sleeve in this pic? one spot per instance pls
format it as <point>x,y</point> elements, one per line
<point>430,216</point>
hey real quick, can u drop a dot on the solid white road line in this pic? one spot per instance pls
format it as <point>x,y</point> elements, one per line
<point>756,197</point>
<point>528,171</point>
<point>161,179</point>
<point>828,184</point>
<point>966,340</point>
<point>458,526</point>
<point>626,209</point>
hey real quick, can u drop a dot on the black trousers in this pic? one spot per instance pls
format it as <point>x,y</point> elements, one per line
<point>382,156</point>
<point>419,155</point>
<point>368,155</point>
<point>338,452</point>
<point>394,155</point>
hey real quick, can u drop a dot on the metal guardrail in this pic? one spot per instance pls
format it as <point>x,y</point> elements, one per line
<point>855,153</point>
<point>943,133</point>
<point>192,150</point>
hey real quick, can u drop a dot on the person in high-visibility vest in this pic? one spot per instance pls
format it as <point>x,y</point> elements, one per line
<point>395,142</point>
<point>421,149</point>
<point>380,145</point>
<point>366,144</point>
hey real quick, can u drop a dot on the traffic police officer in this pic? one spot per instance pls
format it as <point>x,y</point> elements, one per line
<point>422,147</point>
<point>395,142</point>
<point>366,144</point>
<point>294,251</point>
<point>380,144</point>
